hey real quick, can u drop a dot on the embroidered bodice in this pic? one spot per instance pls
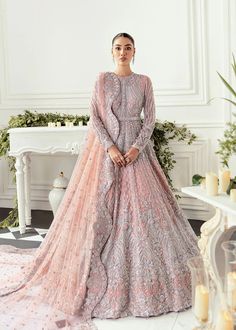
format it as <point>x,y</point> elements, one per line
<point>127,96</point>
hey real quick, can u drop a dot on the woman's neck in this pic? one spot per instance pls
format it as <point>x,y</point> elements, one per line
<point>123,71</point>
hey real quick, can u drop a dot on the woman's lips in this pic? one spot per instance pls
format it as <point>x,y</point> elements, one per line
<point>123,59</point>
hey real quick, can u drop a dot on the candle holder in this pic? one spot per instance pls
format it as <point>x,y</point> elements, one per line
<point>233,195</point>
<point>224,320</point>
<point>229,248</point>
<point>224,179</point>
<point>200,292</point>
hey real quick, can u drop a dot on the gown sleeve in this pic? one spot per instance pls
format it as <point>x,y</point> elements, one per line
<point>96,121</point>
<point>149,117</point>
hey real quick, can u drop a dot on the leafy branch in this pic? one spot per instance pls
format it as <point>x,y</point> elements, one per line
<point>227,145</point>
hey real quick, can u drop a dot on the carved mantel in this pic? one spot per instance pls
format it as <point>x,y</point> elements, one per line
<point>42,140</point>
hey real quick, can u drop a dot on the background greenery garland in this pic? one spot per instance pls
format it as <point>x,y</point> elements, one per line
<point>163,133</point>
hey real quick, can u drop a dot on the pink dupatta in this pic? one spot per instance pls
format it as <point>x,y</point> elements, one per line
<point>54,286</point>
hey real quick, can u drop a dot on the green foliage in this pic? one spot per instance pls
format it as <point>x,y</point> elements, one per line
<point>163,133</point>
<point>197,179</point>
<point>232,185</point>
<point>12,219</point>
<point>227,145</point>
<point>228,86</point>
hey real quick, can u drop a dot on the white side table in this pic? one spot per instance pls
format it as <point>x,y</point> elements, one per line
<point>212,230</point>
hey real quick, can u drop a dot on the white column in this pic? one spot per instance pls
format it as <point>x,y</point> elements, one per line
<point>27,180</point>
<point>20,192</point>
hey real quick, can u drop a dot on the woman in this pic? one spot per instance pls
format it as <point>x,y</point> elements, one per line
<point>119,242</point>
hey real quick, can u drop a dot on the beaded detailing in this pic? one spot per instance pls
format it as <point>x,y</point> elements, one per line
<point>119,242</point>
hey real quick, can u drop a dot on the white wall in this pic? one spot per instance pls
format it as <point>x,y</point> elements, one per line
<point>51,51</point>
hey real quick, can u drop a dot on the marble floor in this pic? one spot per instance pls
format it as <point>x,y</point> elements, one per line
<point>33,237</point>
<point>171,321</point>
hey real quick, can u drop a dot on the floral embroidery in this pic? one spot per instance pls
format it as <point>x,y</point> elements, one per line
<point>119,242</point>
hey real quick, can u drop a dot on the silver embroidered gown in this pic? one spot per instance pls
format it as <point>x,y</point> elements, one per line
<point>151,239</point>
<point>119,242</point>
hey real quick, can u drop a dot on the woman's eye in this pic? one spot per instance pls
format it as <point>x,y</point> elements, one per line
<point>127,48</point>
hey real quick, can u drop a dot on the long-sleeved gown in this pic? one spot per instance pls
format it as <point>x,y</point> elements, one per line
<point>119,242</point>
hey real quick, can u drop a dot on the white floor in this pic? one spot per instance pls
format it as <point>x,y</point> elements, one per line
<point>171,321</point>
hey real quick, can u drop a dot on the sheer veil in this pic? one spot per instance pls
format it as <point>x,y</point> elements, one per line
<point>49,286</point>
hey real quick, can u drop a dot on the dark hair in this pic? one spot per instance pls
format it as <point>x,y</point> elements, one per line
<point>125,35</point>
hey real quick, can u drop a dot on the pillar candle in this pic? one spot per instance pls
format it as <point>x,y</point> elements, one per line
<point>203,184</point>
<point>211,184</point>
<point>53,124</point>
<point>58,124</point>
<point>81,123</point>
<point>49,124</point>
<point>231,290</point>
<point>71,124</point>
<point>201,304</point>
<point>224,179</point>
<point>233,195</point>
<point>67,123</point>
<point>224,321</point>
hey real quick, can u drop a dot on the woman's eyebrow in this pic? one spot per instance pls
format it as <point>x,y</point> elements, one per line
<point>125,45</point>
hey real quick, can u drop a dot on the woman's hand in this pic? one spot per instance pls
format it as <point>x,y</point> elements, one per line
<point>116,156</point>
<point>131,155</point>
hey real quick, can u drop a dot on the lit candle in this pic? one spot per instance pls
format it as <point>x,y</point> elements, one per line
<point>231,289</point>
<point>224,179</point>
<point>81,123</point>
<point>211,184</point>
<point>224,321</point>
<point>233,195</point>
<point>201,305</point>
<point>58,124</point>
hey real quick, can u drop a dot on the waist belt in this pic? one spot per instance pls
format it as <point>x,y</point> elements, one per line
<point>129,118</point>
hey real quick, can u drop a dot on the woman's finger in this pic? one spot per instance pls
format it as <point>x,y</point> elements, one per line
<point>127,159</point>
<point>119,163</point>
<point>122,160</point>
<point>130,160</point>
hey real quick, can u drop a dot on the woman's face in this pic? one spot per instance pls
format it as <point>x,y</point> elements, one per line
<point>123,51</point>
